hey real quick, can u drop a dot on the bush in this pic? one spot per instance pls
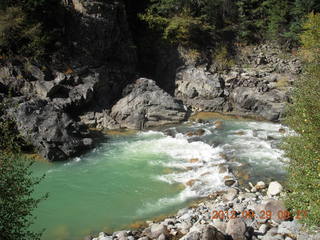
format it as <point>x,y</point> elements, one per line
<point>304,117</point>
<point>222,59</point>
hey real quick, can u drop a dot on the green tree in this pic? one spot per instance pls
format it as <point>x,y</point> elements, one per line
<point>278,12</point>
<point>193,23</point>
<point>16,200</point>
<point>17,36</point>
<point>16,186</point>
<point>30,27</point>
<point>304,117</point>
<point>251,20</point>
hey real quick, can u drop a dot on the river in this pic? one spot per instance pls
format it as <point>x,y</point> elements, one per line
<point>134,176</point>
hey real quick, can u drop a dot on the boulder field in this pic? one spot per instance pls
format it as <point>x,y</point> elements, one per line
<point>257,213</point>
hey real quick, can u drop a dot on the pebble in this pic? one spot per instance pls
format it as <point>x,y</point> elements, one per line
<point>274,189</point>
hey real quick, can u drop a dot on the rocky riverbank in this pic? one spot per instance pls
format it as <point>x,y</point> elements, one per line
<point>87,85</point>
<point>254,212</point>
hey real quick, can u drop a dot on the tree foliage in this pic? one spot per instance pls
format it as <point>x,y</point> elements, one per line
<point>304,117</point>
<point>207,22</point>
<point>30,27</point>
<point>189,22</point>
<point>16,186</point>
<point>16,200</point>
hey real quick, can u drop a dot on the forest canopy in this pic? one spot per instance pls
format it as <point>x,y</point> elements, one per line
<point>206,22</point>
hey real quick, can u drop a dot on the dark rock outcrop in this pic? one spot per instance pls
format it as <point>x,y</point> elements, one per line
<point>88,73</point>
<point>54,134</point>
<point>146,105</point>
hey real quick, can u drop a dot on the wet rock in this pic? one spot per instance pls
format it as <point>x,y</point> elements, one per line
<point>170,132</point>
<point>194,160</point>
<point>191,182</point>
<point>199,132</point>
<point>218,124</point>
<point>229,181</point>
<point>240,133</point>
<point>282,130</point>
<point>274,189</point>
<point>236,228</point>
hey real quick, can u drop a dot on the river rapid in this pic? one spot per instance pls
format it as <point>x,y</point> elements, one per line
<point>134,176</point>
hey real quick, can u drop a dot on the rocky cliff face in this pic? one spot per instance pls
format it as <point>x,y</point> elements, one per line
<point>89,72</point>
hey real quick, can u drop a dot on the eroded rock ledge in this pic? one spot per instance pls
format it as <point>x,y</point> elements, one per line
<point>259,83</point>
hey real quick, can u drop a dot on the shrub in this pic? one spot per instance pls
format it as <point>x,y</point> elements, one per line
<point>222,59</point>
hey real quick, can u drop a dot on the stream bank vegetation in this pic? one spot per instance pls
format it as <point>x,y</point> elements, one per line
<point>304,117</point>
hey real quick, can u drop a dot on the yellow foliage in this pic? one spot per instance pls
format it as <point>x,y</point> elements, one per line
<point>310,38</point>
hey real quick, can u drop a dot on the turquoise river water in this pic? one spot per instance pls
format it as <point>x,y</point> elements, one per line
<point>136,176</point>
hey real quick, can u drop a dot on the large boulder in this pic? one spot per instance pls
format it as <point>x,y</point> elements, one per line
<point>269,105</point>
<point>200,89</point>
<point>146,105</point>
<point>52,132</point>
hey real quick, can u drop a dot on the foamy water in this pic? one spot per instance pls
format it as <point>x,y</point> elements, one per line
<point>149,173</point>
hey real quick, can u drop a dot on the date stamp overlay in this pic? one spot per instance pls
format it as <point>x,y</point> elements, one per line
<point>263,214</point>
